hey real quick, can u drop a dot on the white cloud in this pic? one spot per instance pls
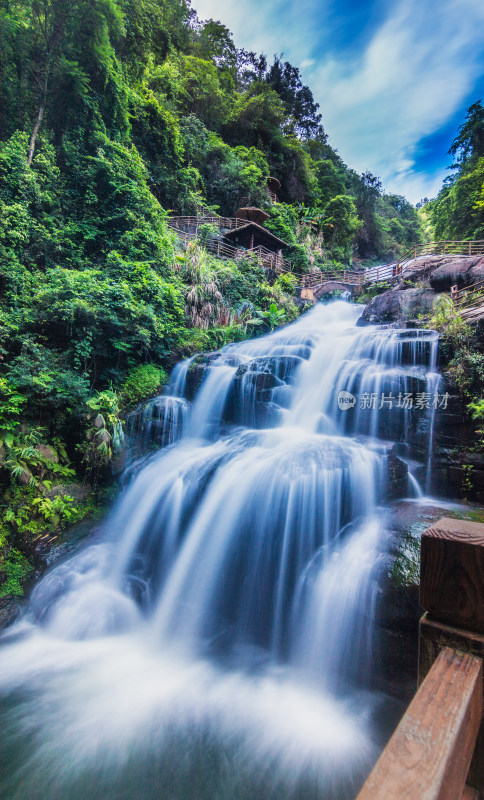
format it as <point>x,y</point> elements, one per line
<point>411,79</point>
<point>267,26</point>
<point>414,74</point>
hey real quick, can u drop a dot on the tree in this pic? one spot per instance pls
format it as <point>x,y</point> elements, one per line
<point>468,145</point>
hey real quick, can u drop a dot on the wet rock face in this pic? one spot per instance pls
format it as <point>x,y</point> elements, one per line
<point>9,611</point>
<point>397,305</point>
<point>196,373</point>
<point>251,395</point>
<point>457,469</point>
<point>158,421</point>
<point>397,476</point>
<point>201,364</point>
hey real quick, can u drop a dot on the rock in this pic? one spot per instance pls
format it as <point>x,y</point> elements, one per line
<point>48,453</point>
<point>79,491</point>
<point>9,611</point>
<point>457,469</point>
<point>280,367</point>
<point>476,273</point>
<point>420,268</point>
<point>398,305</point>
<point>456,271</point>
<point>397,476</point>
<point>250,396</point>
<point>196,373</point>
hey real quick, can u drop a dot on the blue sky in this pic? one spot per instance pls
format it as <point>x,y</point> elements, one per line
<point>393,78</point>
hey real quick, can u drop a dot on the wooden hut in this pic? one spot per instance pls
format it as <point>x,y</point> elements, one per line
<point>252,235</point>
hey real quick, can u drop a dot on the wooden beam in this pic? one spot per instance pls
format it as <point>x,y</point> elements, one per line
<point>429,754</point>
<point>452,573</point>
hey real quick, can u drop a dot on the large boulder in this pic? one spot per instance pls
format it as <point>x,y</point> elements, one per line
<point>421,268</point>
<point>397,305</point>
<point>476,273</point>
<point>456,271</point>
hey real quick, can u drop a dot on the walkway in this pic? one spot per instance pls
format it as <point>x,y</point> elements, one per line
<point>469,301</point>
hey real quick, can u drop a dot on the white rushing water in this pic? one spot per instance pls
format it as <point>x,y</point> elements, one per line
<point>218,642</point>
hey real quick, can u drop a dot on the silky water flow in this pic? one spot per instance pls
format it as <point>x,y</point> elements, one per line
<point>217,642</point>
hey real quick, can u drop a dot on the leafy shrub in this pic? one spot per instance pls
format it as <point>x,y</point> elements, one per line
<point>286,282</point>
<point>141,383</point>
<point>104,435</point>
<point>15,569</point>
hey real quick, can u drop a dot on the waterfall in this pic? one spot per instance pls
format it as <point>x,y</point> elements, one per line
<point>217,641</point>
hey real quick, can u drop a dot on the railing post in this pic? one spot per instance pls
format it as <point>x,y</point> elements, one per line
<point>443,248</point>
<point>452,594</point>
<point>470,248</point>
<point>415,251</point>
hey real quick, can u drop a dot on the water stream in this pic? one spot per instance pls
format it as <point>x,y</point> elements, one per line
<point>217,643</point>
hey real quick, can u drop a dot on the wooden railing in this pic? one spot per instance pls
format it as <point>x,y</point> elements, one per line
<point>187,228</point>
<point>310,280</point>
<point>469,302</point>
<point>192,224</point>
<point>218,247</point>
<point>437,751</point>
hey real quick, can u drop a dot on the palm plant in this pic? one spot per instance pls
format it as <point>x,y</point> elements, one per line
<point>203,299</point>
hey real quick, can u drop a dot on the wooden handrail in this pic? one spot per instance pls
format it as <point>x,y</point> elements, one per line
<point>439,744</point>
<point>429,754</point>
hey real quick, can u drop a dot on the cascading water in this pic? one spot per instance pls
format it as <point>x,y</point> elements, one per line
<point>218,642</point>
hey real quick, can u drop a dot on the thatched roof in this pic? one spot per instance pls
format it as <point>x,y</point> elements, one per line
<point>273,183</point>
<point>252,214</point>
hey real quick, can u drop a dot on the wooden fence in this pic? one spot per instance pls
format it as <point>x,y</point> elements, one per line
<point>187,228</point>
<point>469,302</point>
<point>437,751</point>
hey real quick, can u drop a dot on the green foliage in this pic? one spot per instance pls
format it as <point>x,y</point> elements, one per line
<point>477,409</point>
<point>448,321</point>
<point>286,282</point>
<point>274,316</point>
<point>104,434</point>
<point>142,382</point>
<point>458,210</point>
<point>467,480</point>
<point>341,222</point>
<point>14,570</point>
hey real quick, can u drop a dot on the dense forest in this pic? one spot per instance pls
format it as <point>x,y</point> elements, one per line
<point>114,113</point>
